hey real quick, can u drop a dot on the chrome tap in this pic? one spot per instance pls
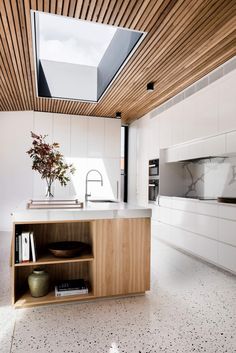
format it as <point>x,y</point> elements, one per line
<point>92,180</point>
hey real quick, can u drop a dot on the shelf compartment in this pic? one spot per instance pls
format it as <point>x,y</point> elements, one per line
<point>56,232</point>
<point>58,272</point>
<point>49,259</point>
<point>26,300</point>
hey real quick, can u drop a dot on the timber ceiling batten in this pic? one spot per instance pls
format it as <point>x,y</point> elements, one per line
<point>186,40</point>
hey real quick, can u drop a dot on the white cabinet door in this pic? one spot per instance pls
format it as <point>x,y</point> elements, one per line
<point>231,142</point>
<point>227,103</point>
<point>96,134</point>
<point>227,231</point>
<point>112,138</point>
<point>178,123</point>
<point>153,144</point>
<point>207,111</point>
<point>227,256</point>
<point>165,129</point>
<point>79,136</point>
<point>61,134</point>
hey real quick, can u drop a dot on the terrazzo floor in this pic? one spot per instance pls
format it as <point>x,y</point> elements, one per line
<point>190,308</point>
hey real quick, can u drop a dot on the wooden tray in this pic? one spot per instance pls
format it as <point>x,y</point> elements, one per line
<point>54,204</point>
<point>226,199</point>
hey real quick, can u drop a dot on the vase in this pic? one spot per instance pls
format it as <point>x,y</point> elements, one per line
<point>49,189</point>
<point>39,282</point>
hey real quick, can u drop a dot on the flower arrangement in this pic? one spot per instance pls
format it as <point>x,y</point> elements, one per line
<point>49,162</point>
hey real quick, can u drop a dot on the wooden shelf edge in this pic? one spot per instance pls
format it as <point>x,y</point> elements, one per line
<point>51,260</point>
<point>27,300</point>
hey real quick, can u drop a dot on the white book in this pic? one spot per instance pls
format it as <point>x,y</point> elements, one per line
<point>20,248</point>
<point>32,244</point>
<point>25,240</point>
<point>70,292</point>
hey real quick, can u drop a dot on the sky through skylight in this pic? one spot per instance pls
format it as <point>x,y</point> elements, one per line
<point>73,41</point>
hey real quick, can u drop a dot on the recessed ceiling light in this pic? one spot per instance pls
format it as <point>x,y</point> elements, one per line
<point>150,86</point>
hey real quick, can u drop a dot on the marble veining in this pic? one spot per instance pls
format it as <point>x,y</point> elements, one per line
<point>191,308</point>
<point>210,177</point>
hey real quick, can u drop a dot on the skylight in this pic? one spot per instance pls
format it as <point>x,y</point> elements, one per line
<point>78,60</point>
<point>73,41</point>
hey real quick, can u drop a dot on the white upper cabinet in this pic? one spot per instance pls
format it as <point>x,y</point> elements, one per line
<point>178,123</point>
<point>96,134</point>
<point>227,103</point>
<point>112,138</point>
<point>200,114</point>
<point>231,142</point>
<point>165,129</point>
<point>79,136</point>
<point>61,132</point>
<point>207,111</point>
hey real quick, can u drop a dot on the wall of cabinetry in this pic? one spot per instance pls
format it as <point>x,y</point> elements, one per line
<point>206,229</point>
<point>87,142</point>
<point>200,125</point>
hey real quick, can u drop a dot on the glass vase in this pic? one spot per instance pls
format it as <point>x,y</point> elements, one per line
<point>49,190</point>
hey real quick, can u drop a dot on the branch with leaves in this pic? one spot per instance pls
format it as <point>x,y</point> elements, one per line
<point>48,161</point>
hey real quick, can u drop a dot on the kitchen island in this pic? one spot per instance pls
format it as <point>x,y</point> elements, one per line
<point>118,263</point>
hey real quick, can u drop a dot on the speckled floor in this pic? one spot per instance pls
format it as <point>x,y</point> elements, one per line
<point>191,308</point>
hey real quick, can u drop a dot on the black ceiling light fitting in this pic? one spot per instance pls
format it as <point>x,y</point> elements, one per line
<point>118,115</point>
<point>150,86</point>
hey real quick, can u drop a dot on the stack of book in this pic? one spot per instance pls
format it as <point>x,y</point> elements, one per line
<point>71,287</point>
<point>24,247</point>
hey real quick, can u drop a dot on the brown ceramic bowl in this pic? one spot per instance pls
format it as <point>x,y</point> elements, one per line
<point>67,248</point>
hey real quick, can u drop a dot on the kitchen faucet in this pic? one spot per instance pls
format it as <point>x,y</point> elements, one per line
<point>92,180</point>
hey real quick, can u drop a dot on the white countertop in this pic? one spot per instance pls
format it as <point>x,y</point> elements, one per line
<point>213,202</point>
<point>89,212</point>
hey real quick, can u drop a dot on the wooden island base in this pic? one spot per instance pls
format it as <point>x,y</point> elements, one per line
<point>118,265</point>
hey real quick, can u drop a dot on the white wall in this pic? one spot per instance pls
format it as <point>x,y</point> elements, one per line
<point>87,142</point>
<point>209,112</point>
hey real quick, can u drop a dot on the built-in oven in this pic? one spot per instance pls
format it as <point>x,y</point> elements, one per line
<point>153,189</point>
<point>153,181</point>
<point>153,167</point>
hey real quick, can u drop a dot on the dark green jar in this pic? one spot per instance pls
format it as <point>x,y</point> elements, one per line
<point>39,282</point>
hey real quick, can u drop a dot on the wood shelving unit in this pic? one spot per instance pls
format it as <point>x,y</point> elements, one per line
<point>59,269</point>
<point>117,265</point>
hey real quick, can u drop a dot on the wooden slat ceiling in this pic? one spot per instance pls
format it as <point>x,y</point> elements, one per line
<point>186,39</point>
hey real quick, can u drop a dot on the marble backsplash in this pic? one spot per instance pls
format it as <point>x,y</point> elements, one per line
<point>210,177</point>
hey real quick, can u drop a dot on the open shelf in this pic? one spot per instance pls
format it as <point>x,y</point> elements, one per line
<point>49,259</point>
<point>26,300</point>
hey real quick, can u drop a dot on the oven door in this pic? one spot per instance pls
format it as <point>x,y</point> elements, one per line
<point>153,190</point>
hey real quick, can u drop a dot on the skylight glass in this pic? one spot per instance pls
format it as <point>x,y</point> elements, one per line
<point>72,41</point>
<point>76,59</point>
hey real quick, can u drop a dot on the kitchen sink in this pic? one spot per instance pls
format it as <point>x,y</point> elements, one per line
<point>103,201</point>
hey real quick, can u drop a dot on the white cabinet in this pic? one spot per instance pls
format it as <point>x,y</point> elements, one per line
<point>165,129</point>
<point>207,111</point>
<point>112,138</point>
<point>212,146</point>
<point>178,123</point>
<point>227,231</point>
<point>96,134</point>
<point>79,136</point>
<point>153,145</point>
<point>227,103</point>
<point>231,142</point>
<point>43,125</point>
<point>227,256</point>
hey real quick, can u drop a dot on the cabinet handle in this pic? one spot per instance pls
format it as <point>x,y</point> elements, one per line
<point>117,190</point>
